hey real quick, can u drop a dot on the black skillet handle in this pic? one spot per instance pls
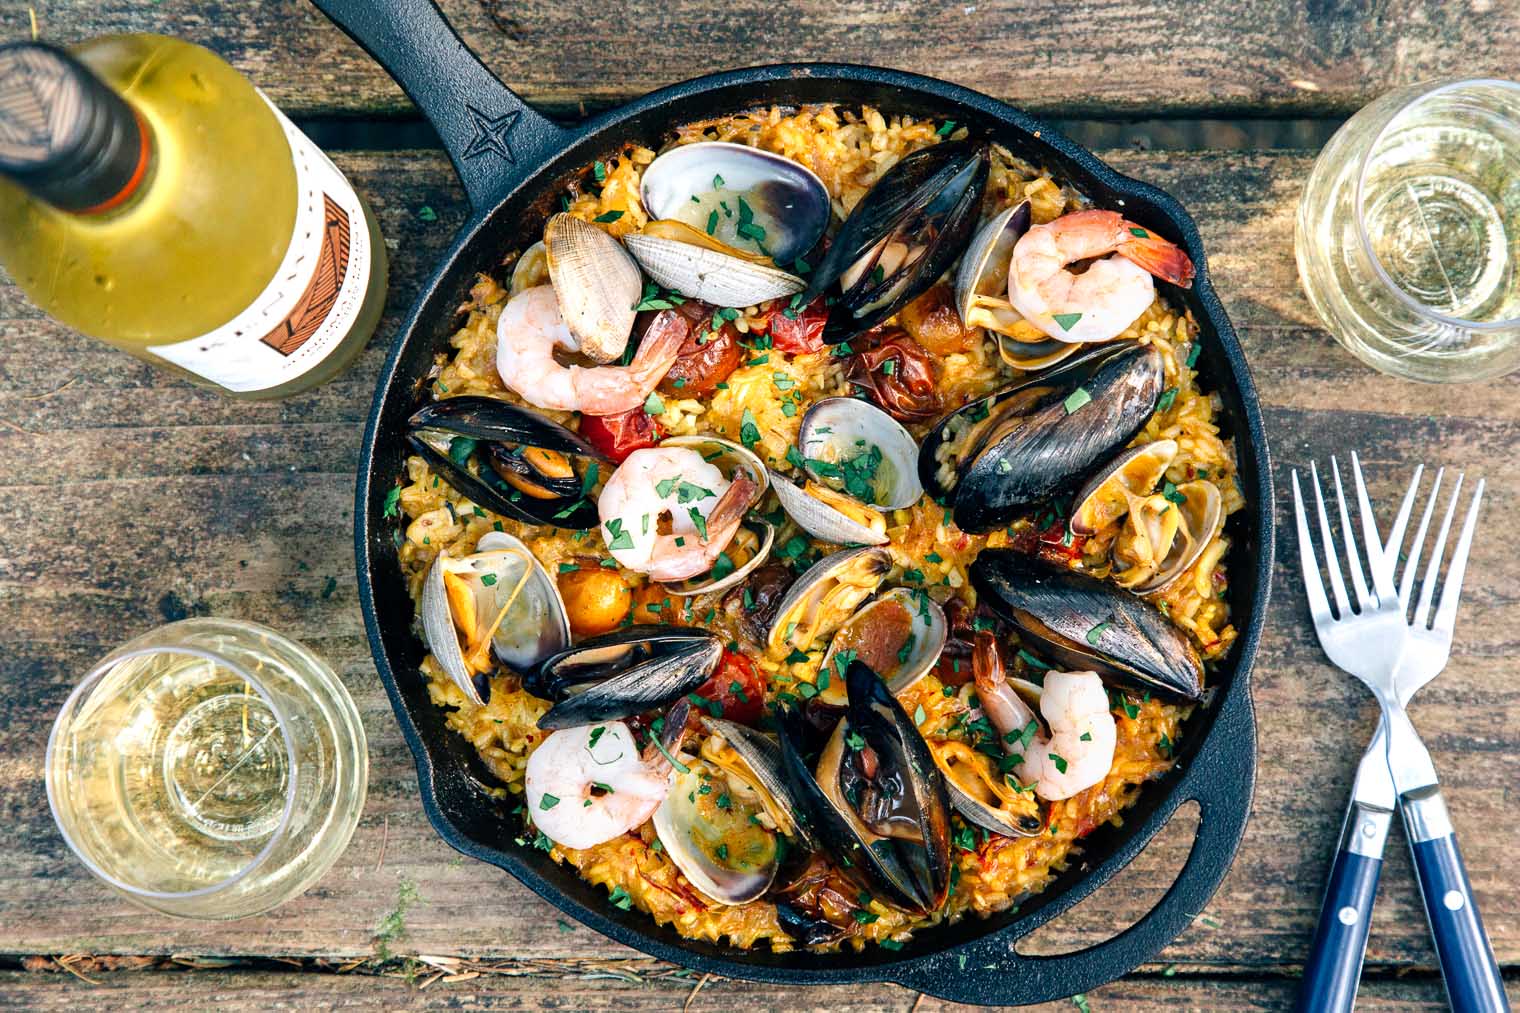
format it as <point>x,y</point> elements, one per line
<point>494,138</point>
<point>991,972</point>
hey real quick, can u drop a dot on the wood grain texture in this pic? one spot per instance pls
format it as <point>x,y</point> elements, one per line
<point>131,498</point>
<point>1060,57</point>
<point>239,991</point>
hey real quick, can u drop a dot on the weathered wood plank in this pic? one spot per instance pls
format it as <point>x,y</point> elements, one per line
<point>239,990</point>
<point>130,501</point>
<point>1061,57</point>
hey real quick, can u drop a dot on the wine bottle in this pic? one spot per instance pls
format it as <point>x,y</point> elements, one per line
<point>153,198</point>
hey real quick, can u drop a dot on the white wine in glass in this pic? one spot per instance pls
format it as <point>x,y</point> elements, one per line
<point>1409,228</point>
<point>209,768</point>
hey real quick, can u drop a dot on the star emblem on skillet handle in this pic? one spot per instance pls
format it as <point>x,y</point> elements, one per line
<point>491,133</point>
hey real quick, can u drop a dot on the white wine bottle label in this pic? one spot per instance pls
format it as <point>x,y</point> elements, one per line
<point>310,304</point>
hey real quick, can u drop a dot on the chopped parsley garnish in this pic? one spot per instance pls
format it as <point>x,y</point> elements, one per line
<point>620,899</point>
<point>749,429</point>
<point>1096,633</point>
<point>1066,320</point>
<point>563,568</point>
<point>1059,761</point>
<point>653,405</point>
<point>548,801</point>
<point>596,736</point>
<point>698,520</point>
<point>712,222</point>
<point>393,502</point>
<point>608,217</point>
<point>1076,399</point>
<point>1138,232</point>
<point>945,128</point>
<point>620,539</point>
<point>588,480</point>
<point>1164,402</point>
<point>1193,354</point>
<point>717,182</point>
<point>1169,491</point>
<point>599,170</point>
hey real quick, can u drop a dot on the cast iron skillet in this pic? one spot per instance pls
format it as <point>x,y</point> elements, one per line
<point>513,162</point>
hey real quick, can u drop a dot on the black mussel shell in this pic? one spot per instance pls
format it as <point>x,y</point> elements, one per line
<point>503,429</point>
<point>1086,624</point>
<point>1040,436</point>
<point>526,469</point>
<point>806,928</point>
<point>905,805</point>
<point>487,418</point>
<point>623,673</point>
<point>931,198</point>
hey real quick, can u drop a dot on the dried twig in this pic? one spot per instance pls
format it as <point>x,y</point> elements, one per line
<point>56,390</point>
<point>7,423</point>
<point>67,963</point>
<point>385,836</point>
<point>916,1003</point>
<point>686,1008</point>
<point>31,12</point>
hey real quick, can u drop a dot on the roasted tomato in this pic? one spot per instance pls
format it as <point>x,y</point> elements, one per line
<point>933,321</point>
<point>617,436</point>
<point>799,335</point>
<point>899,376</point>
<point>737,689</point>
<point>1054,543</point>
<point>705,360</point>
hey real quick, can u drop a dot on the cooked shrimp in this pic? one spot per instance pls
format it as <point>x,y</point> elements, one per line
<point>1100,302</point>
<point>530,329</point>
<point>1079,748</point>
<point>668,513</point>
<point>588,785</point>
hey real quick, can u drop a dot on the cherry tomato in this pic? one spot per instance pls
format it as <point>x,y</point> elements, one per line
<point>705,360</point>
<point>933,321</point>
<point>736,687</point>
<point>617,436</point>
<point>802,334</point>
<point>1050,543</point>
<point>899,376</point>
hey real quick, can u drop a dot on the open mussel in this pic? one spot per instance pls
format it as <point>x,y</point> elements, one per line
<point>875,796</point>
<point>992,459</point>
<point>825,597</point>
<point>496,604</point>
<point>859,462</point>
<point>623,673</point>
<point>902,236</point>
<point>1086,624</point>
<point>524,462</point>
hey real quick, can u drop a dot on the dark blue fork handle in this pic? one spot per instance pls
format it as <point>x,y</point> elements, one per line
<point>1340,940</point>
<point>1467,959</point>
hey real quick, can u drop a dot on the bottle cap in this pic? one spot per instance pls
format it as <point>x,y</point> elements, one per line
<point>65,135</point>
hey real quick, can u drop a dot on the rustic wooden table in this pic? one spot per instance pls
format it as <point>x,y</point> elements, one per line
<point>132,499</point>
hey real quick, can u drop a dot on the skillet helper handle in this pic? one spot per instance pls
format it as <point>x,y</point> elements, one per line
<point>1221,778</point>
<point>1334,968</point>
<point>1467,959</point>
<point>493,138</point>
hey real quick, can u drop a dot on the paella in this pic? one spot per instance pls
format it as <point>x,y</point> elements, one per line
<point>820,530</point>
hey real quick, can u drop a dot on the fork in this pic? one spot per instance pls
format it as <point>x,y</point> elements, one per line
<point>1394,656</point>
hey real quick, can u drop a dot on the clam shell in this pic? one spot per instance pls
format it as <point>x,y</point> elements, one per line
<point>596,282</point>
<point>534,628</point>
<point>1203,510</point>
<point>819,519</point>
<point>839,582</point>
<point>983,269</point>
<point>708,275</point>
<point>900,664</point>
<point>790,203</point>
<point>836,429</point>
<point>531,269</point>
<point>762,756</point>
<point>687,835</point>
<point>1135,472</point>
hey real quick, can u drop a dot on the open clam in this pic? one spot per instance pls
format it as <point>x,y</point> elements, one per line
<point>751,545</point>
<point>981,294</point>
<point>623,673</point>
<point>1087,624</point>
<point>746,198</point>
<point>531,269</point>
<point>902,236</point>
<point>1163,532</point>
<point>824,598</point>
<point>721,822</point>
<point>724,215</point>
<point>524,462</point>
<point>496,603</point>
<point>899,634</point>
<point>995,457</point>
<point>875,796</point>
<point>859,461</point>
<point>596,282</point>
